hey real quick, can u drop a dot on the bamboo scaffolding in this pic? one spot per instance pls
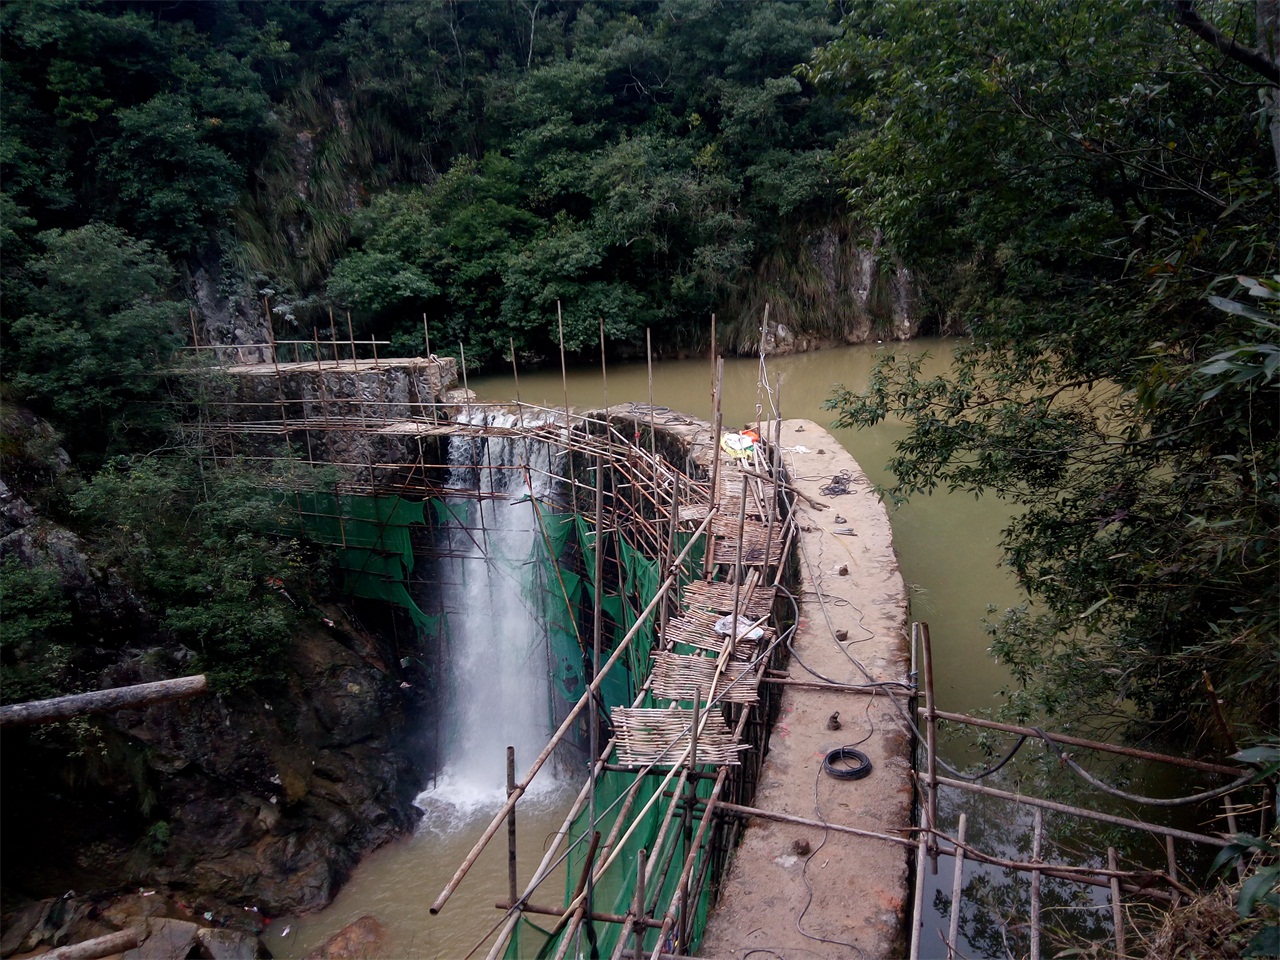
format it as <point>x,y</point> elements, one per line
<point>684,763</point>
<point>589,694</point>
<point>642,503</point>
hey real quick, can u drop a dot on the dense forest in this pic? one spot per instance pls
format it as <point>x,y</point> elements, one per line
<point>475,162</point>
<point>1086,192</point>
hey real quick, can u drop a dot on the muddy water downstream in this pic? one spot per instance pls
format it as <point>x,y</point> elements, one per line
<point>947,545</point>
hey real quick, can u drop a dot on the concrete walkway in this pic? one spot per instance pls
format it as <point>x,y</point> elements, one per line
<point>804,892</point>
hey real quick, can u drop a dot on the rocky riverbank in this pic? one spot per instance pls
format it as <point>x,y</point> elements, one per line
<point>234,806</point>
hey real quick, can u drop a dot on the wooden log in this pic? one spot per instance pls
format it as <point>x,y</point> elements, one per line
<point>103,701</point>
<point>103,946</point>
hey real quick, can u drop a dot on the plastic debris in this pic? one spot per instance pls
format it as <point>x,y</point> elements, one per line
<point>737,445</point>
<point>724,626</point>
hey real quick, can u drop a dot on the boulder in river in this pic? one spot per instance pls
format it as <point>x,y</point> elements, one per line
<point>358,940</point>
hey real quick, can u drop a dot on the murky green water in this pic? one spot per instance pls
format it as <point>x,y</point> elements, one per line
<point>947,545</point>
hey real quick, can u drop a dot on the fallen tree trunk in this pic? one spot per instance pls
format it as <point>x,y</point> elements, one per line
<point>105,946</point>
<point>103,701</point>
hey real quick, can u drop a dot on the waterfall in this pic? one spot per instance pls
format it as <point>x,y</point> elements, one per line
<point>497,671</point>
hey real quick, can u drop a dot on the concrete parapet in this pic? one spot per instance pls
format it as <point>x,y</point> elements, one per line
<point>802,891</point>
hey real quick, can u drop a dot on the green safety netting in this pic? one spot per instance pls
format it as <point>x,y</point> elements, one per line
<point>375,551</point>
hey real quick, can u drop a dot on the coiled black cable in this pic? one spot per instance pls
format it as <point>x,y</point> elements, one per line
<point>834,764</point>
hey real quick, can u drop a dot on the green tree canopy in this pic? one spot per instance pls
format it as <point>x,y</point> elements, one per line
<point>1077,181</point>
<point>98,322</point>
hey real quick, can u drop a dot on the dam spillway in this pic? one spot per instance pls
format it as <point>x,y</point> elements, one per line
<point>655,536</point>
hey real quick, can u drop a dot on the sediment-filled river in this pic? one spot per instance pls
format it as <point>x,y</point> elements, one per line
<point>947,545</point>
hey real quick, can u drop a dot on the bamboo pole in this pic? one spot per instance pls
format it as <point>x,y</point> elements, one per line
<point>861,691</point>
<point>597,634</point>
<point>714,350</point>
<point>653,430</point>
<point>691,855</point>
<point>604,374</point>
<point>816,504</point>
<point>271,335</point>
<point>564,373</point>
<point>1081,812</point>
<point>773,501</point>
<point>640,917</point>
<point>917,899</point>
<point>511,824</point>
<point>324,406</point>
<point>708,557</point>
<point>737,568</point>
<point>1172,866</point>
<point>931,747</point>
<point>466,390</point>
<point>584,879</point>
<point>668,551</point>
<point>1090,744</point>
<point>556,737</point>
<point>1117,908</point>
<point>748,811</point>
<point>957,888</point>
<point>542,871</point>
<point>103,701</point>
<point>544,910</point>
<point>1037,839</point>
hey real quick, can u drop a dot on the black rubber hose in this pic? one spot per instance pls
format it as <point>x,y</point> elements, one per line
<point>842,755</point>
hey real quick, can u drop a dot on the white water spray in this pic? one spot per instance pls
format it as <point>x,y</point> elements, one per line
<point>498,675</point>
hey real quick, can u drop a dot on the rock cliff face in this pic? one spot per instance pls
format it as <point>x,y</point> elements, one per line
<point>830,286</point>
<point>228,314</point>
<point>263,797</point>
